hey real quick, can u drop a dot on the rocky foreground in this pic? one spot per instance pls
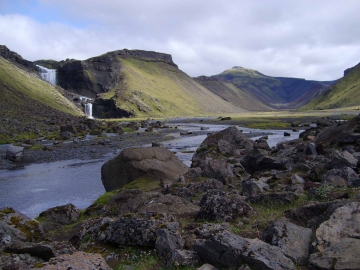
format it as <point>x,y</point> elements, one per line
<point>241,205</point>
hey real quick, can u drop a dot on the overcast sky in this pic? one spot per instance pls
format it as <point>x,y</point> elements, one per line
<point>312,39</point>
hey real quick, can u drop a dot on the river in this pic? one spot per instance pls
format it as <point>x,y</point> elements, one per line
<point>37,187</point>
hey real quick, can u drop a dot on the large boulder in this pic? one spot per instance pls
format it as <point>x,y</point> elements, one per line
<point>15,153</point>
<point>343,255</point>
<point>133,163</point>
<point>129,229</point>
<point>343,223</point>
<point>226,249</point>
<point>217,205</point>
<point>64,214</point>
<point>228,142</point>
<point>293,240</point>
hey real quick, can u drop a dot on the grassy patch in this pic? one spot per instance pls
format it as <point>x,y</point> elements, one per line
<point>105,198</point>
<point>253,226</point>
<point>145,184</point>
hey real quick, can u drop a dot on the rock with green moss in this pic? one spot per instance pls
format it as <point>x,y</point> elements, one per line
<point>64,214</point>
<point>154,163</point>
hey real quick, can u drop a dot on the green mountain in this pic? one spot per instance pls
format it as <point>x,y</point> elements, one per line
<point>343,93</point>
<point>27,103</point>
<point>138,83</point>
<point>256,91</point>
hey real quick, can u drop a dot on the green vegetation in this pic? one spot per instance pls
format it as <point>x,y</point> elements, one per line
<point>104,199</point>
<point>145,184</point>
<point>344,93</point>
<point>154,88</point>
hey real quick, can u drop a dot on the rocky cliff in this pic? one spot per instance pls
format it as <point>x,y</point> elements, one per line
<point>137,83</point>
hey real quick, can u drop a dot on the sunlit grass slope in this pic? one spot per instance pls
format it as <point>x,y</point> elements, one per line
<point>344,93</point>
<point>24,92</point>
<point>155,88</point>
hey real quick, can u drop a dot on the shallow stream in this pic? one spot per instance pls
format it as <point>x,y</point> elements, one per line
<point>37,187</point>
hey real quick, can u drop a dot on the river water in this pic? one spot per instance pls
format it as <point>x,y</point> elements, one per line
<point>37,187</point>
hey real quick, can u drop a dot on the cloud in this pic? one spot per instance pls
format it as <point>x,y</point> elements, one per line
<point>309,39</point>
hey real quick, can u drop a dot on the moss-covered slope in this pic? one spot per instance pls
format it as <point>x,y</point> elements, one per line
<point>262,92</point>
<point>139,83</point>
<point>28,102</point>
<point>344,93</point>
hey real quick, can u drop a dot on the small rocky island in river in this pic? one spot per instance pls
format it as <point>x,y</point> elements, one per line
<point>241,205</point>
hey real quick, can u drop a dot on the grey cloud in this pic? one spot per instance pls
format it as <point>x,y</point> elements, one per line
<point>310,39</point>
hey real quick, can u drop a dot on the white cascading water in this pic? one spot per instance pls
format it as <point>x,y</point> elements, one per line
<point>47,74</point>
<point>88,110</point>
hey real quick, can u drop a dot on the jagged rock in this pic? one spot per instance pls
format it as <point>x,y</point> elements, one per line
<point>217,205</point>
<point>207,266</point>
<point>258,160</point>
<point>226,249</point>
<point>184,258</point>
<point>128,230</point>
<point>208,230</point>
<point>262,144</point>
<point>310,149</point>
<point>15,153</point>
<point>18,262</point>
<point>346,158</point>
<point>251,187</point>
<point>273,198</point>
<point>287,134</point>
<point>16,227</point>
<point>296,179</point>
<point>132,163</point>
<point>64,214</point>
<point>66,135</point>
<point>43,251</point>
<point>343,223</point>
<point>78,260</point>
<point>209,148</point>
<point>312,215</point>
<point>344,255</point>
<point>293,240</point>
<point>167,242</point>
<point>340,177</point>
<point>203,186</point>
<point>69,128</point>
<point>218,169</point>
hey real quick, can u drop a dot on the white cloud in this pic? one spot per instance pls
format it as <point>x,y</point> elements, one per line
<point>309,39</point>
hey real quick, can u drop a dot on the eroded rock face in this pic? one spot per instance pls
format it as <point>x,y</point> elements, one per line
<point>151,163</point>
<point>343,255</point>
<point>293,240</point>
<point>230,250</point>
<point>343,223</point>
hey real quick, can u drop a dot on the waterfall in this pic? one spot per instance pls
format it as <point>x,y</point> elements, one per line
<point>47,74</point>
<point>88,110</point>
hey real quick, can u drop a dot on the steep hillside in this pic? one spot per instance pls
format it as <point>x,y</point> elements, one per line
<point>138,83</point>
<point>231,93</point>
<point>271,92</point>
<point>344,93</point>
<point>29,103</point>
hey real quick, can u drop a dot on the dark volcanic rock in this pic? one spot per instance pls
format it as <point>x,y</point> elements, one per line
<point>15,153</point>
<point>217,205</point>
<point>132,163</point>
<point>293,240</point>
<point>64,214</point>
<point>230,141</point>
<point>230,250</point>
